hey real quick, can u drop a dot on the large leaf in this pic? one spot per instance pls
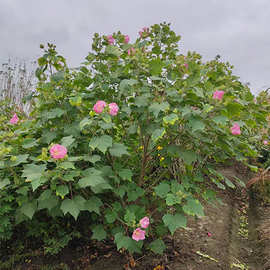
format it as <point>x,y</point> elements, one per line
<point>4,183</point>
<point>193,207</point>
<point>188,156</point>
<point>29,209</point>
<point>32,171</point>
<point>99,233</point>
<point>94,179</point>
<point>196,124</point>
<point>54,113</point>
<point>70,206</point>
<point>93,205</point>
<point>156,108</point>
<point>113,50</point>
<point>157,246</point>
<point>33,174</point>
<point>62,191</point>
<point>173,222</point>
<point>19,159</point>
<point>102,143</point>
<point>118,150</point>
<point>128,243</point>
<point>162,190</point>
<point>125,174</point>
<point>156,66</point>
<point>28,143</point>
<point>67,141</point>
<point>170,119</point>
<point>158,134</point>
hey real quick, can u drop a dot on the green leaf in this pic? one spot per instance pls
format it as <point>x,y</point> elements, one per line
<point>127,243</point>
<point>113,50</point>
<point>69,206</point>
<point>126,84</point>
<point>28,143</point>
<point>33,174</point>
<point>54,113</point>
<point>32,171</point>
<point>93,159</point>
<point>58,76</point>
<point>4,183</point>
<point>38,182</point>
<point>130,217</point>
<point>196,124</point>
<point>188,156</point>
<point>125,174</point>
<point>62,191</point>
<point>172,199</point>
<point>67,165</point>
<point>110,216</point>
<point>234,109</point>
<point>162,190</point>
<point>85,122</point>
<point>29,209</point>
<point>156,108</point>
<point>158,134</point>
<point>118,150</point>
<point>253,168</point>
<point>157,246</point>
<point>156,66</point>
<point>229,182</point>
<point>99,233</point>
<point>47,200</point>
<point>102,143</point>
<point>141,101</point>
<point>93,205</point>
<point>122,241</point>
<point>94,179</point>
<point>170,119</point>
<point>221,119</point>
<point>19,159</point>
<point>173,222</point>
<point>193,207</point>
<point>67,141</point>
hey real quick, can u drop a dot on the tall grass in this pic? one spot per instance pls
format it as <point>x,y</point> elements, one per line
<point>17,81</point>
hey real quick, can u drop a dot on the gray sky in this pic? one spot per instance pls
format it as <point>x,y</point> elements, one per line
<point>238,30</point>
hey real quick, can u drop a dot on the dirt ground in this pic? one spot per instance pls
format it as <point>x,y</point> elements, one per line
<point>233,234</point>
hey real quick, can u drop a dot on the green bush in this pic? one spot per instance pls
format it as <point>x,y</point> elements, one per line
<point>154,158</point>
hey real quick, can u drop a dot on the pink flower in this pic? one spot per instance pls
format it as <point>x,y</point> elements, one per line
<point>144,30</point>
<point>209,234</point>
<point>218,95</point>
<point>131,51</point>
<point>110,39</point>
<point>235,129</point>
<point>113,109</point>
<point>186,65</point>
<point>144,222</point>
<point>14,119</point>
<point>265,142</point>
<point>58,151</point>
<point>138,234</point>
<point>126,40</point>
<point>99,106</point>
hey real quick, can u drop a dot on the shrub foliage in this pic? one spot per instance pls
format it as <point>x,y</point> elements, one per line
<point>155,157</point>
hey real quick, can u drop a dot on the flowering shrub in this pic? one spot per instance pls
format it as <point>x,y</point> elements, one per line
<point>149,155</point>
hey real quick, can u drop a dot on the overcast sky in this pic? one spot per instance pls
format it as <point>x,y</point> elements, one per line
<point>238,30</point>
